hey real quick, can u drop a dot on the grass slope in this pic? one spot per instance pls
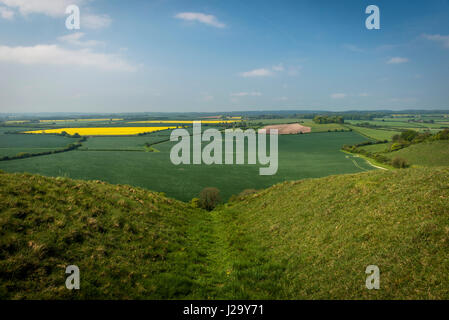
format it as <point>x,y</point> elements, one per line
<point>314,238</point>
<point>306,239</point>
<point>127,242</point>
<point>433,153</point>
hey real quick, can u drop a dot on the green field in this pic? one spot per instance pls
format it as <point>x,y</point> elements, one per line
<point>434,153</point>
<point>12,144</point>
<point>309,239</point>
<point>376,134</point>
<point>300,156</point>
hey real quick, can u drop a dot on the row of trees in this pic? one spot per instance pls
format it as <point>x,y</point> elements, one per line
<point>328,119</point>
<point>409,137</point>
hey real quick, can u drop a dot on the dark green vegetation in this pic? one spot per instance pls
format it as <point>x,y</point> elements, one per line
<point>328,119</point>
<point>308,239</point>
<point>300,156</point>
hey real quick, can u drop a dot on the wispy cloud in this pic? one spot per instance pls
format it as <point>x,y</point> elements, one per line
<point>338,95</point>
<point>246,94</point>
<point>263,72</point>
<point>444,40</point>
<point>95,21</point>
<point>397,60</point>
<point>75,39</point>
<point>55,55</point>
<point>7,14</point>
<point>208,19</point>
<point>56,9</point>
<point>53,8</point>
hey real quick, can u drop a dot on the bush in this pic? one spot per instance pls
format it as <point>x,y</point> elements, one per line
<point>209,198</point>
<point>399,163</point>
<point>409,135</point>
<point>195,203</point>
<point>397,146</point>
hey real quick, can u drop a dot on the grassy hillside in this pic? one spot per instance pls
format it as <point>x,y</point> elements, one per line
<point>314,238</point>
<point>127,242</point>
<point>433,153</point>
<point>297,240</point>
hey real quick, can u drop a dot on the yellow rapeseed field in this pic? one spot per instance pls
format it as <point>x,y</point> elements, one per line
<point>186,121</point>
<point>111,131</point>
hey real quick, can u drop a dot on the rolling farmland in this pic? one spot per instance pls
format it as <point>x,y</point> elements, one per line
<point>300,156</point>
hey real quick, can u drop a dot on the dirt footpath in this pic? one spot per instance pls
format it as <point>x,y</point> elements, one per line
<point>293,128</point>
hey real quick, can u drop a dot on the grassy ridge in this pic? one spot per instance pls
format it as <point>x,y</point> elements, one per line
<point>297,240</point>
<point>127,242</point>
<point>314,238</point>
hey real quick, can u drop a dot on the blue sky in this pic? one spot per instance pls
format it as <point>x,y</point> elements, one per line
<point>217,55</point>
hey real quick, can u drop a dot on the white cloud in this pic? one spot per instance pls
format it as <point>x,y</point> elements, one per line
<point>75,39</point>
<point>397,60</point>
<point>338,95</point>
<point>5,13</point>
<point>53,8</point>
<point>246,94</point>
<point>92,21</point>
<point>438,38</point>
<point>55,55</point>
<point>256,73</point>
<point>56,9</point>
<point>200,17</point>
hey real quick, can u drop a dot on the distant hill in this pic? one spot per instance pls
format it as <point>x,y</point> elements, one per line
<point>297,240</point>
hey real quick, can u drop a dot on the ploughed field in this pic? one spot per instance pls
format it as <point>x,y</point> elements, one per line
<point>108,159</point>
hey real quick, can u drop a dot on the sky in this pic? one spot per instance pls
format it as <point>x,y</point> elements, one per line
<point>223,55</point>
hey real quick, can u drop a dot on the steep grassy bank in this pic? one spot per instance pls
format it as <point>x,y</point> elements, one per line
<point>314,238</point>
<point>308,239</point>
<point>127,242</point>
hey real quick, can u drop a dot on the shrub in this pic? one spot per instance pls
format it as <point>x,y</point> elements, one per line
<point>399,163</point>
<point>409,135</point>
<point>209,198</point>
<point>397,146</point>
<point>195,203</point>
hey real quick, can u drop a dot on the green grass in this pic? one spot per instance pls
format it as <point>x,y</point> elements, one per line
<point>434,153</point>
<point>300,156</point>
<point>376,134</point>
<point>127,242</point>
<point>12,144</point>
<point>313,239</point>
<point>310,239</point>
